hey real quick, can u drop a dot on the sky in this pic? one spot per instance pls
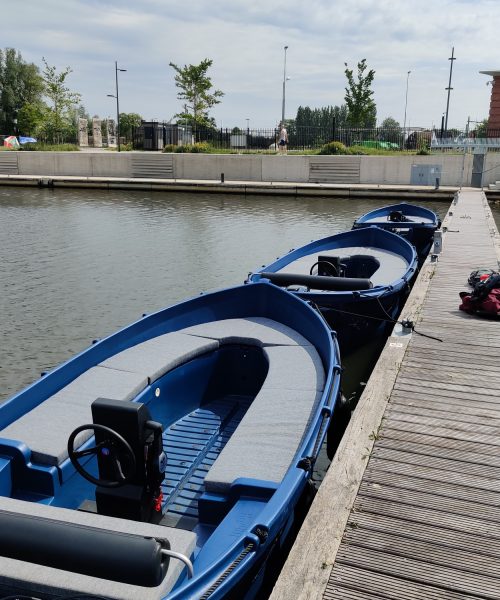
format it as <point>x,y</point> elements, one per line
<point>246,40</point>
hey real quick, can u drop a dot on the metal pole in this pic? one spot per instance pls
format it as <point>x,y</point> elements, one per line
<point>284,83</point>
<point>449,88</point>
<point>117,107</point>
<point>406,100</point>
<point>465,151</point>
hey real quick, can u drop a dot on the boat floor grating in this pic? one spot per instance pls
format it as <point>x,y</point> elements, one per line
<point>192,445</point>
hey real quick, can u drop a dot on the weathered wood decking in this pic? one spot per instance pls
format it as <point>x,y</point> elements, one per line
<point>410,507</point>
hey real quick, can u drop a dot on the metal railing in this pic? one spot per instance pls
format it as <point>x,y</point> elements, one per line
<point>155,135</point>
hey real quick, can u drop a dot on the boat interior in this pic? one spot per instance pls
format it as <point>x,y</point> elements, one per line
<point>380,266</point>
<point>210,414</point>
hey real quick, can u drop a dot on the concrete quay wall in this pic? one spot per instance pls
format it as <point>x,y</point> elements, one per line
<point>456,170</point>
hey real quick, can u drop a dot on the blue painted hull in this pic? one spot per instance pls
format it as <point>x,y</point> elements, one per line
<point>417,224</point>
<point>229,545</point>
<point>355,315</point>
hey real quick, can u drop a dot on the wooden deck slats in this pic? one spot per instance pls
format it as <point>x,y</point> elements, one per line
<point>410,508</point>
<point>426,520</point>
<point>373,585</point>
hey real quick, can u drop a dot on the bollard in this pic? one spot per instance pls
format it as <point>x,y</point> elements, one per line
<point>222,177</point>
<point>438,242</point>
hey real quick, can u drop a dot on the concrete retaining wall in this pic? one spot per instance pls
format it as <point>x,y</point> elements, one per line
<point>374,170</point>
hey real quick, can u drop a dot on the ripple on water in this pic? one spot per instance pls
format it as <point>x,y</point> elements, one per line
<point>77,264</point>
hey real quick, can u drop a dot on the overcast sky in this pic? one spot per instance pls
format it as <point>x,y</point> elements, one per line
<point>245,39</point>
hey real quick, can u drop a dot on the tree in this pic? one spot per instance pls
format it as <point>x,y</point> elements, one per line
<point>129,122</point>
<point>60,121</point>
<point>20,86</point>
<point>196,91</point>
<point>390,123</point>
<point>362,111</point>
<point>481,130</point>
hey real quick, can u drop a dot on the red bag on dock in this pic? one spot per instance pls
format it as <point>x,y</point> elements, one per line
<point>485,298</point>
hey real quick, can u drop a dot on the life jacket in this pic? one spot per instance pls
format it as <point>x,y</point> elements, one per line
<point>485,297</point>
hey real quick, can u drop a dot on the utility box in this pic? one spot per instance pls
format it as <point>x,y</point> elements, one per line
<point>425,174</point>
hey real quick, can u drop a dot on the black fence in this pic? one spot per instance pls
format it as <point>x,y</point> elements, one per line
<point>156,135</point>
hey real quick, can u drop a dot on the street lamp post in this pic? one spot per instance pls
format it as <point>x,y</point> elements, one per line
<point>449,88</point>
<point>406,100</point>
<point>284,84</point>
<point>117,103</point>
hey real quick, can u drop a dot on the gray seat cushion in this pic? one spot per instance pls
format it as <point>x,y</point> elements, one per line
<point>257,331</point>
<point>294,368</point>
<point>155,357</point>
<point>267,439</point>
<point>269,435</point>
<point>48,580</point>
<point>46,428</point>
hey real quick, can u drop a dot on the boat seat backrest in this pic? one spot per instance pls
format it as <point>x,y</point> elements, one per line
<point>42,580</point>
<point>46,428</point>
<point>269,435</point>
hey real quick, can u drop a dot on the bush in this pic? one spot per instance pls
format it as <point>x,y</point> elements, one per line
<point>169,148</point>
<point>42,147</point>
<point>198,148</point>
<point>334,148</point>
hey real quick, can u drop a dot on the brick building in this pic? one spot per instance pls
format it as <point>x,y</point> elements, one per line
<point>494,116</point>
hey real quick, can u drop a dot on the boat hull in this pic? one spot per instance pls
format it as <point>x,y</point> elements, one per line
<point>236,527</point>
<point>417,224</point>
<point>355,314</point>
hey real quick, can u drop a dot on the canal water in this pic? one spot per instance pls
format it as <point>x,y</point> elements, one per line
<point>75,265</point>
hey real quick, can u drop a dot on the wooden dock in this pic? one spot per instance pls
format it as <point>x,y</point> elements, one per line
<point>410,507</point>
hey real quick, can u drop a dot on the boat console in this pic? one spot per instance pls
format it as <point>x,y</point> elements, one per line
<point>130,459</point>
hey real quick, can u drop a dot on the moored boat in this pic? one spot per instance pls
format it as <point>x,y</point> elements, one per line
<point>416,223</point>
<point>358,279</point>
<point>167,460</point>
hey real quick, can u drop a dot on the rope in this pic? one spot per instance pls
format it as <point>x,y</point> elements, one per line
<point>389,319</point>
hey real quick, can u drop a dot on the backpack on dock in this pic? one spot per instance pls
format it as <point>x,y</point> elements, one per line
<point>485,296</point>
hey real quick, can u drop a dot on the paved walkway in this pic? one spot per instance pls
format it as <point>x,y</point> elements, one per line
<point>420,519</point>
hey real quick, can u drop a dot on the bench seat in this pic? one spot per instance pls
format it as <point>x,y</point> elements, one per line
<point>294,366</point>
<point>40,579</point>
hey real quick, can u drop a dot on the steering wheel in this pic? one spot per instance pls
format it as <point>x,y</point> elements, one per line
<point>114,449</point>
<point>330,266</point>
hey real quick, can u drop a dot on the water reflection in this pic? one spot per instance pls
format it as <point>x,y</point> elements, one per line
<point>78,264</point>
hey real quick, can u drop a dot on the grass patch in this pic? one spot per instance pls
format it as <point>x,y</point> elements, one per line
<point>41,147</point>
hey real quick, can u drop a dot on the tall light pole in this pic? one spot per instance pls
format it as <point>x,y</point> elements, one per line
<point>406,100</point>
<point>284,84</point>
<point>449,88</point>
<point>117,103</point>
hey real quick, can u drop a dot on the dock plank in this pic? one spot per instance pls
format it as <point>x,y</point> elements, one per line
<point>421,520</point>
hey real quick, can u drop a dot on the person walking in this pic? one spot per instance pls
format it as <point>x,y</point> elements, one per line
<point>283,143</point>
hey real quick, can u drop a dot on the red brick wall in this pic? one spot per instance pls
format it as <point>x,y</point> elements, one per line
<point>494,117</point>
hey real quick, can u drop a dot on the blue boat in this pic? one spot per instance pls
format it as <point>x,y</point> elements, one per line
<point>416,223</point>
<point>168,459</point>
<point>358,279</point>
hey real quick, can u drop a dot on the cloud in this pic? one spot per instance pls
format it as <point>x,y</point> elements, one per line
<point>245,41</point>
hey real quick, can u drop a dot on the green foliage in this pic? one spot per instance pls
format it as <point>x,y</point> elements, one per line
<point>60,120</point>
<point>198,148</point>
<point>334,148</point>
<point>169,148</point>
<point>390,123</point>
<point>129,122</point>
<point>362,111</point>
<point>481,130</point>
<point>20,85</point>
<point>196,90</point>
<point>41,147</point>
